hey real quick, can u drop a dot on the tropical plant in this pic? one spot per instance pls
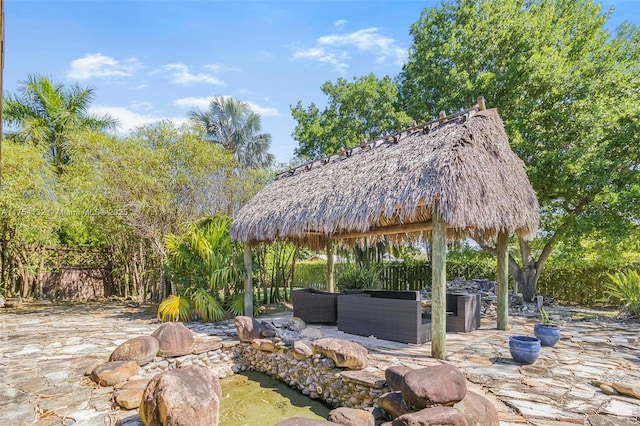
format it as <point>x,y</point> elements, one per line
<point>204,262</point>
<point>625,289</point>
<point>354,277</point>
<point>233,124</point>
<point>46,114</point>
<point>544,317</point>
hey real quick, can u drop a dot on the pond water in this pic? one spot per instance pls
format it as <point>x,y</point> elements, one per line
<point>255,399</point>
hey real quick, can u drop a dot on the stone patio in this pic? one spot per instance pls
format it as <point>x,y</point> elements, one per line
<point>46,348</point>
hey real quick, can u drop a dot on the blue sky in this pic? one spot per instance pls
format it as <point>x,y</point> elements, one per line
<point>150,59</point>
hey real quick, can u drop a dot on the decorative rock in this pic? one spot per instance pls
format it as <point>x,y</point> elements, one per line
<point>264,345</point>
<point>310,333</point>
<point>128,398</point>
<point>302,421</point>
<point>174,339</point>
<point>249,328</point>
<point>301,351</point>
<point>140,384</point>
<point>478,410</point>
<point>607,389</point>
<point>343,352</point>
<point>187,396</point>
<point>394,375</point>
<point>629,389</point>
<point>393,404</point>
<point>439,385</point>
<point>114,372</point>
<point>440,416</point>
<point>296,324</point>
<point>351,417</point>
<point>139,349</point>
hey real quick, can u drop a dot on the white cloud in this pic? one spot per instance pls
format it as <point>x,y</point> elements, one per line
<point>181,74</point>
<point>322,55</point>
<point>367,40</point>
<point>99,65</point>
<point>263,111</point>
<point>193,102</point>
<point>130,120</point>
<point>340,23</point>
<point>203,104</point>
<point>334,48</point>
<point>217,68</point>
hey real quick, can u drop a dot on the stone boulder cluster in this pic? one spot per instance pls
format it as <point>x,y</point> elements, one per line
<point>170,378</point>
<point>187,396</point>
<point>425,396</point>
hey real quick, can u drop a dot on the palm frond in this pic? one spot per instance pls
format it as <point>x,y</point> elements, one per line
<point>206,307</point>
<point>175,308</point>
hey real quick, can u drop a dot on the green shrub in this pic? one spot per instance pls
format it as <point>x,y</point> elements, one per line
<point>310,274</point>
<point>625,289</point>
<point>354,277</point>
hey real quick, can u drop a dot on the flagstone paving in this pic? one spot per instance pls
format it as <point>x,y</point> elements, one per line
<point>45,350</point>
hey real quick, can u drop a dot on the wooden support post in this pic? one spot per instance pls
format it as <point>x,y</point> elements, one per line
<point>330,267</point>
<point>248,282</point>
<point>438,286</point>
<point>503,281</point>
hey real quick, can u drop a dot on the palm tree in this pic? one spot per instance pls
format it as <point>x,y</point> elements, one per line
<point>45,114</point>
<point>236,127</point>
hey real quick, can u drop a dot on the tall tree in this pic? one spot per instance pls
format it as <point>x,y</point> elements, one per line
<point>567,90</point>
<point>360,110</point>
<point>46,114</point>
<point>233,124</point>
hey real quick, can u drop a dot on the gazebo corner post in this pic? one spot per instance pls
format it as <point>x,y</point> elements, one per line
<point>503,280</point>
<point>438,286</point>
<point>248,281</point>
<point>330,267</point>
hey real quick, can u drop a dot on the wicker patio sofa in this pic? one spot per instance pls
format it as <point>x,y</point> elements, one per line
<point>389,315</point>
<point>315,306</point>
<point>463,312</point>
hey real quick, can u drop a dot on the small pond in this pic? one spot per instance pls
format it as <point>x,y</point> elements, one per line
<point>255,399</point>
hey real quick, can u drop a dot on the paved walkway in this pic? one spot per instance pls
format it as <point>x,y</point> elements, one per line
<point>46,348</point>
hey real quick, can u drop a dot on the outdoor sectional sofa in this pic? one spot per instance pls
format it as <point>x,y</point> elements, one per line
<point>315,306</point>
<point>389,315</point>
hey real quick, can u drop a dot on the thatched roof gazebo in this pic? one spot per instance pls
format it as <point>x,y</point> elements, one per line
<point>451,178</point>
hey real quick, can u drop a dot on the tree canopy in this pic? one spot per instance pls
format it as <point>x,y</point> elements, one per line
<point>46,114</point>
<point>233,124</point>
<point>567,90</point>
<point>360,110</point>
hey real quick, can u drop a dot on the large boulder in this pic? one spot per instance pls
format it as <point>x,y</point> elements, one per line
<point>478,410</point>
<point>296,324</point>
<point>394,375</point>
<point>250,328</point>
<point>439,385</point>
<point>174,339</point>
<point>393,404</point>
<point>139,349</point>
<point>187,396</point>
<point>114,372</point>
<point>351,417</point>
<point>128,399</point>
<point>434,416</point>
<point>343,352</point>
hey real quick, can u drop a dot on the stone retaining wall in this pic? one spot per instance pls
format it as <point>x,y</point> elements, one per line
<point>317,376</point>
<point>220,361</point>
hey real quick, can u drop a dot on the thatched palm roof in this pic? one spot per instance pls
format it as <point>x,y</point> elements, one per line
<point>389,186</point>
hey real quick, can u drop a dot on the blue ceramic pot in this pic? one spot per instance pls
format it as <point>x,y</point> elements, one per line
<point>524,349</point>
<point>547,334</point>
